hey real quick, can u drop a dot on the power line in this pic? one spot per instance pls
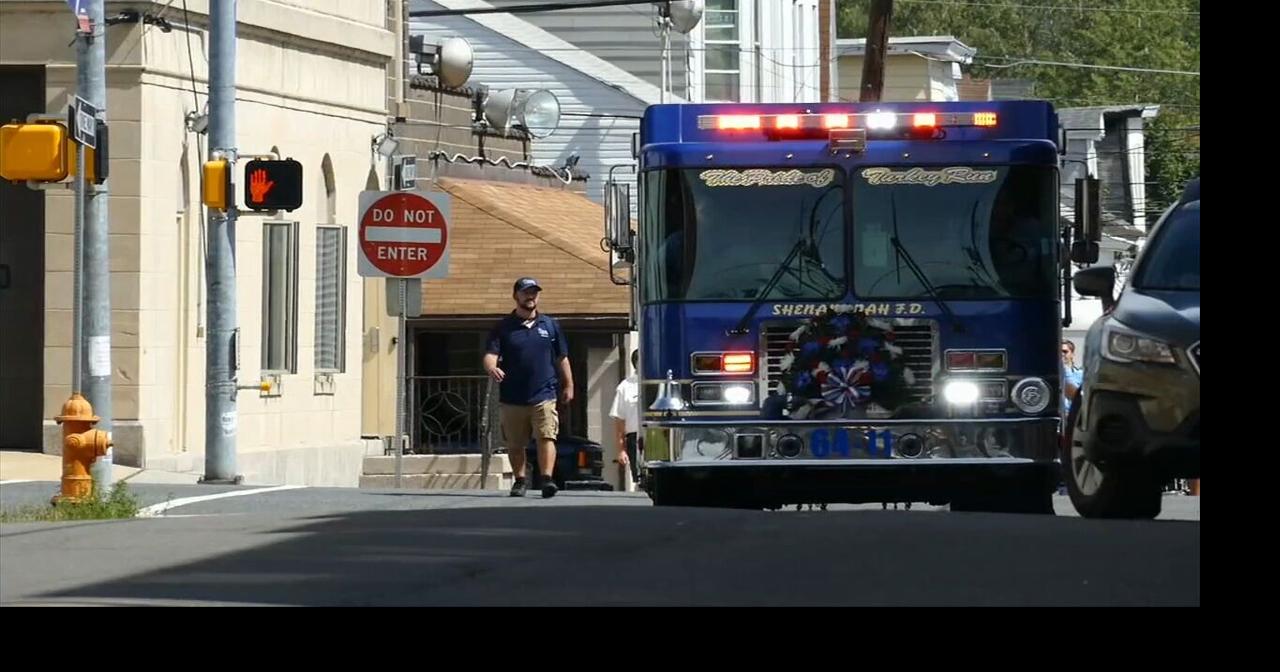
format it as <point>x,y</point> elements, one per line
<point>191,61</point>
<point>1030,61</point>
<point>826,61</point>
<point>528,8</point>
<point>1093,102</point>
<point>823,60</point>
<point>605,116</point>
<point>1087,65</point>
<point>1185,129</point>
<point>1068,8</point>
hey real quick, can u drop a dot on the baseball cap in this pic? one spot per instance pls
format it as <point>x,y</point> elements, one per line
<point>526,283</point>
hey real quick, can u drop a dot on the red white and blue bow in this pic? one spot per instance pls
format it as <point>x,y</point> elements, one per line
<point>846,388</point>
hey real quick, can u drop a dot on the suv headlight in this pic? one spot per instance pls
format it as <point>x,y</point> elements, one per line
<point>1122,344</point>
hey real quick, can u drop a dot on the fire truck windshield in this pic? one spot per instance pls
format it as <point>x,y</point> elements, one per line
<point>724,234</point>
<point>975,233</point>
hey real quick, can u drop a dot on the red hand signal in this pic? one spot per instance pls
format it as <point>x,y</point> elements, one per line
<point>259,185</point>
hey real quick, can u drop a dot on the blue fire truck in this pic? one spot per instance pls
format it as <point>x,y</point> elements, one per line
<point>846,302</point>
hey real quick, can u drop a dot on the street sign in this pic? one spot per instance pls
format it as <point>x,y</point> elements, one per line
<point>273,185</point>
<point>84,123</point>
<point>404,234</point>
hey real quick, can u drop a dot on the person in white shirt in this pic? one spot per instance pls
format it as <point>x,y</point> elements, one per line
<point>626,415</point>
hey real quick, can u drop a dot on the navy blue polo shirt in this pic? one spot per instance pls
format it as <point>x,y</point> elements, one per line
<point>529,356</point>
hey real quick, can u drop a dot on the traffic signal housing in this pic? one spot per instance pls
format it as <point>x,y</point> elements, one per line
<point>273,184</point>
<point>36,152</point>
<point>216,184</point>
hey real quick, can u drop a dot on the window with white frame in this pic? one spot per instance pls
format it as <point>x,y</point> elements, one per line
<point>331,279</point>
<point>280,297</point>
<point>722,58</point>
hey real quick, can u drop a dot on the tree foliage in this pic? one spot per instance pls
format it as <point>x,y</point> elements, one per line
<point>1159,35</point>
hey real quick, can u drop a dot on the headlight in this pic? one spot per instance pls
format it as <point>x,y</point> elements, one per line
<point>723,394</point>
<point>960,392</point>
<point>1031,395</point>
<point>1122,344</point>
<point>737,394</point>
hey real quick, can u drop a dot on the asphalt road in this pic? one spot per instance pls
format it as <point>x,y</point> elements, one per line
<point>314,546</point>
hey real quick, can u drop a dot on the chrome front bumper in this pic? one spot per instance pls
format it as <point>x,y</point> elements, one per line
<point>879,443</point>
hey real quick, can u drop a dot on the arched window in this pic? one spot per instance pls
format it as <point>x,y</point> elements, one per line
<point>331,280</point>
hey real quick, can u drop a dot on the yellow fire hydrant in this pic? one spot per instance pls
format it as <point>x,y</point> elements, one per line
<point>81,445</point>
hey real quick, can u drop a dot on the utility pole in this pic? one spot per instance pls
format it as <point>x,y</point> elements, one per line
<point>220,415</point>
<point>877,44</point>
<point>826,47</point>
<point>94,295</point>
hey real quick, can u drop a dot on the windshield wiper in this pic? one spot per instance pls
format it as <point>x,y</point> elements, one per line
<point>741,327</point>
<point>901,250</point>
<point>802,245</point>
<point>975,259</point>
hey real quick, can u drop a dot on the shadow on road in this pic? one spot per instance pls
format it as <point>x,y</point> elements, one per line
<point>659,556</point>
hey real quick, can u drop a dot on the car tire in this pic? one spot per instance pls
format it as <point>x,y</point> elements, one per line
<point>1113,490</point>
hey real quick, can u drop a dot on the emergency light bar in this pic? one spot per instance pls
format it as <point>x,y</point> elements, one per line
<point>806,124</point>
<point>868,120</point>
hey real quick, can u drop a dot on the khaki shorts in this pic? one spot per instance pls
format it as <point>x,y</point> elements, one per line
<point>520,423</point>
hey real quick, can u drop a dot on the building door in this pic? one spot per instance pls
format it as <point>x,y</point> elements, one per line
<point>21,279</point>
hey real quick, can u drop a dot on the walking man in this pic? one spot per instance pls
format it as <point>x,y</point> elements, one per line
<point>527,355</point>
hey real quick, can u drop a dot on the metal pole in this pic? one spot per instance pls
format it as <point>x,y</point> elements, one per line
<point>77,300</point>
<point>220,413</point>
<point>401,347</point>
<point>666,54</point>
<point>91,80</point>
<point>400,343</point>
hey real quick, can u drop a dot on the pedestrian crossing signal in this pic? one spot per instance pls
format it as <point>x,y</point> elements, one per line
<point>273,185</point>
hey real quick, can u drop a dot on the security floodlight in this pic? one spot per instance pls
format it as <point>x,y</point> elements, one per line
<point>386,145</point>
<point>198,121</point>
<point>454,61</point>
<point>684,14</point>
<point>450,61</point>
<point>537,111</point>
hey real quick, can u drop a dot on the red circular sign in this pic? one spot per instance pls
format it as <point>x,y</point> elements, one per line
<point>403,234</point>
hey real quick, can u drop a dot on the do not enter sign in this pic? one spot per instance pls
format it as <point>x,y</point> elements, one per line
<point>404,234</point>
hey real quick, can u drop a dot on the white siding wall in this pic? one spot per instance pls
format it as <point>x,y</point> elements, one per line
<point>502,62</point>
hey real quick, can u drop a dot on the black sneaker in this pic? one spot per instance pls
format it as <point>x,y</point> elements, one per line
<point>519,488</point>
<point>549,488</point>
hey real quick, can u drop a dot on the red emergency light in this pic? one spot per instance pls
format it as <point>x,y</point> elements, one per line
<point>876,123</point>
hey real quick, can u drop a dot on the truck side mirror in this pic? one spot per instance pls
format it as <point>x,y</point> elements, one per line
<point>1088,210</point>
<point>617,213</point>
<point>1084,252</point>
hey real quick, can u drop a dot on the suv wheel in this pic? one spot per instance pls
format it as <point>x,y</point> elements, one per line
<point>1118,490</point>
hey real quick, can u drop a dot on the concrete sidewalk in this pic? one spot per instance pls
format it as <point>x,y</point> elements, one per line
<point>17,465</point>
